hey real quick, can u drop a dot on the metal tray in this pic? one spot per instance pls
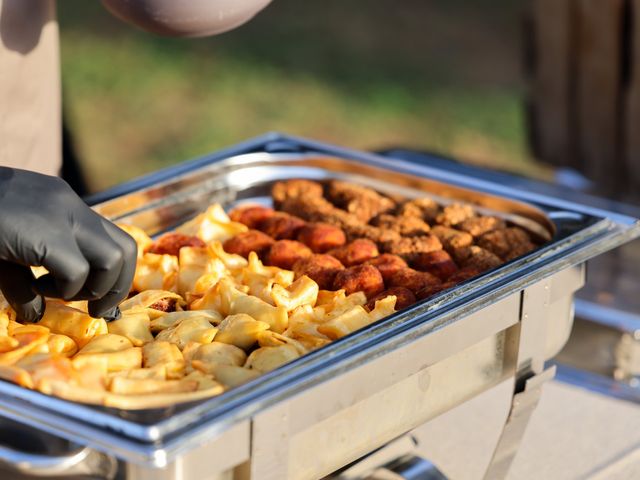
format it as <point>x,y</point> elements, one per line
<point>161,201</point>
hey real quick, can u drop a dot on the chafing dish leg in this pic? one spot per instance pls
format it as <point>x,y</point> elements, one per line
<point>529,378</point>
<point>522,406</point>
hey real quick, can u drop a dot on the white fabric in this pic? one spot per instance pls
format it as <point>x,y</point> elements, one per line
<point>30,120</point>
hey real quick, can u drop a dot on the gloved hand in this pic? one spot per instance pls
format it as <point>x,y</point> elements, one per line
<point>44,223</point>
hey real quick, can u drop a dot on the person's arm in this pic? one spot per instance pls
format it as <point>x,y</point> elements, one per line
<point>44,223</point>
<point>186,18</point>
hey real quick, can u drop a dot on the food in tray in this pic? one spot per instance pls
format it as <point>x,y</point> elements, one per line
<point>224,299</point>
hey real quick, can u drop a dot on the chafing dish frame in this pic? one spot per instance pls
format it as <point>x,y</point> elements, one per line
<point>143,439</point>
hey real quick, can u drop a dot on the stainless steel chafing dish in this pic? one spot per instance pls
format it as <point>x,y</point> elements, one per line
<point>335,405</point>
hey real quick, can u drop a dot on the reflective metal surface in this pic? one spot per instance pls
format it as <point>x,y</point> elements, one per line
<point>606,342</point>
<point>424,360</point>
<point>250,176</point>
<point>82,462</point>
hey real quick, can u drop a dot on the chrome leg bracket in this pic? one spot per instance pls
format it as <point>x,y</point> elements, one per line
<point>522,406</point>
<point>530,376</point>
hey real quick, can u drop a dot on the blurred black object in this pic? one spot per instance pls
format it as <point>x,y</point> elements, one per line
<point>71,168</point>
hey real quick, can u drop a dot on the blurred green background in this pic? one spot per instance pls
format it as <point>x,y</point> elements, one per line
<point>439,75</point>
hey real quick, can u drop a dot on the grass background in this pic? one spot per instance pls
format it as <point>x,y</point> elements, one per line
<point>441,75</point>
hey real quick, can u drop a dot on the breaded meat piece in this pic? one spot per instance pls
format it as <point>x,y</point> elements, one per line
<point>282,226</point>
<point>431,290</point>
<point>247,242</point>
<point>251,215</point>
<point>455,213</point>
<point>464,274</point>
<point>451,238</point>
<point>410,247</point>
<point>359,278</point>
<point>404,298</point>
<point>412,279</point>
<point>321,210</point>
<point>317,209</point>
<point>477,226</point>
<point>388,265</point>
<point>320,268</point>
<point>171,243</point>
<point>405,226</point>
<point>283,190</point>
<point>285,253</point>
<point>363,202</point>
<point>507,243</point>
<point>438,263</point>
<point>423,208</point>
<point>475,256</point>
<point>356,252</point>
<point>321,237</point>
<point>521,249</point>
<point>380,236</point>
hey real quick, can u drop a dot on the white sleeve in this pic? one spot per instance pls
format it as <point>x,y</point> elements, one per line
<point>186,18</point>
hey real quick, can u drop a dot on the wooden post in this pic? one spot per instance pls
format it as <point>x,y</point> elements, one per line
<point>551,87</point>
<point>632,102</point>
<point>586,113</point>
<point>599,91</point>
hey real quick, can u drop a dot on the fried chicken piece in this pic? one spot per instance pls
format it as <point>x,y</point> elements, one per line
<point>380,236</point>
<point>284,190</point>
<point>251,215</point>
<point>320,268</point>
<point>317,209</point>
<point>460,276</point>
<point>282,226</point>
<point>438,263</point>
<point>412,279</point>
<point>363,202</point>
<point>247,242</point>
<point>285,253</point>
<point>171,243</point>
<point>455,213</point>
<point>477,226</point>
<point>356,252</point>
<point>321,237</point>
<point>475,256</point>
<point>507,243</point>
<point>520,250</point>
<point>388,264</point>
<point>405,226</point>
<point>431,290</point>
<point>404,298</point>
<point>321,210</point>
<point>410,247</point>
<point>464,274</point>
<point>452,238</point>
<point>423,208</point>
<point>359,278</point>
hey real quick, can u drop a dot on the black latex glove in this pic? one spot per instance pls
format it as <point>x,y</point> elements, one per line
<point>44,223</point>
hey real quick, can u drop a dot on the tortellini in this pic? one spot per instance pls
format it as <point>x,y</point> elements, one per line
<point>214,224</point>
<point>240,330</point>
<point>199,321</point>
<point>156,272</point>
<point>265,359</point>
<point>134,325</point>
